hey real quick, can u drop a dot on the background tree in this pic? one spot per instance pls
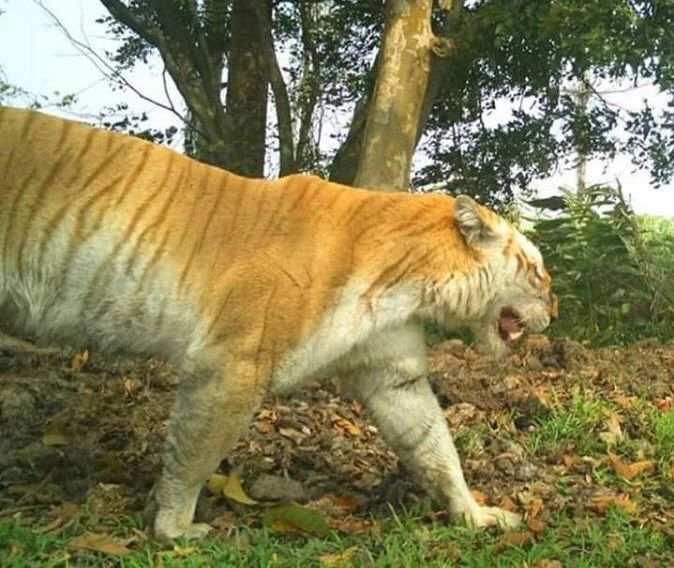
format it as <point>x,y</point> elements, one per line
<point>480,87</point>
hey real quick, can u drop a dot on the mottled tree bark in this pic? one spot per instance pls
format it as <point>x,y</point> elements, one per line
<point>247,83</point>
<point>388,120</point>
<point>393,117</point>
<point>192,48</point>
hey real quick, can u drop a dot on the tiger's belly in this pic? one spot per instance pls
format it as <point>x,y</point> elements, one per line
<point>100,294</point>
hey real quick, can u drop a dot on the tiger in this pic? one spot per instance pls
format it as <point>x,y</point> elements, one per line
<point>252,287</point>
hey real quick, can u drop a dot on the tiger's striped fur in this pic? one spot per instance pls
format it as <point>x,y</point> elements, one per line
<point>252,285</point>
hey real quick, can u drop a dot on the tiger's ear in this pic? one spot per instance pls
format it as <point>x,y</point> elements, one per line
<point>471,221</point>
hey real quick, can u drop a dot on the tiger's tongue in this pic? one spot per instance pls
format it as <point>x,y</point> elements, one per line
<point>509,327</point>
<point>509,323</point>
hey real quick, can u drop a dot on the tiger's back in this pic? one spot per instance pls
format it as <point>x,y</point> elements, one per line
<point>111,240</point>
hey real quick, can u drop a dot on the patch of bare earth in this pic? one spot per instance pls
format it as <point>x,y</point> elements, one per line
<point>82,435</point>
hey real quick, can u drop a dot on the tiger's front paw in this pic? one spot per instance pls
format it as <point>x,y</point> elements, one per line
<point>166,532</point>
<point>492,516</point>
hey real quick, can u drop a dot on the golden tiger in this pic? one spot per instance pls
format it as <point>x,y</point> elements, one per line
<point>254,286</point>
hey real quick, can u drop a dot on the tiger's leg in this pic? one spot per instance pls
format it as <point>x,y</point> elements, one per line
<point>389,376</point>
<point>210,413</point>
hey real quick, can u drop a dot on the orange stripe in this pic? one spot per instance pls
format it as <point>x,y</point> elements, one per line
<point>37,204</point>
<point>12,216</point>
<point>133,175</point>
<point>28,122</point>
<point>199,243</point>
<point>162,212</point>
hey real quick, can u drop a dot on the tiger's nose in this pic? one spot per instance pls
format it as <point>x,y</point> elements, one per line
<point>554,307</point>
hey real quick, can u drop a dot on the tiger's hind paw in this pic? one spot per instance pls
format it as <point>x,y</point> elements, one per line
<point>493,516</point>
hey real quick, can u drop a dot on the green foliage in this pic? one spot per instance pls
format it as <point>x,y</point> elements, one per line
<point>613,272</point>
<point>502,113</point>
<point>506,114</point>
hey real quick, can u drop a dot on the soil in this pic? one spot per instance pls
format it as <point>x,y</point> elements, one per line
<point>87,434</point>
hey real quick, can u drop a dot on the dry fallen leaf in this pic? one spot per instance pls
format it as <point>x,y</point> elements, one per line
<point>99,542</point>
<point>268,414</point>
<point>15,549</point>
<point>340,558</point>
<point>67,511</point>
<point>542,394</point>
<point>351,525</point>
<point>513,539</point>
<point>624,401</point>
<point>508,504</point>
<point>628,470</point>
<point>264,427</point>
<point>179,552</point>
<point>336,505</point>
<point>613,432</point>
<point>79,360</point>
<point>51,526</point>
<point>230,487</point>
<point>479,496</point>
<point>664,404</point>
<point>601,503</point>
<point>223,523</point>
<point>461,413</point>
<point>346,426</point>
<point>128,386</point>
<point>536,525</point>
<point>534,507</point>
<point>547,564</point>
<point>569,461</point>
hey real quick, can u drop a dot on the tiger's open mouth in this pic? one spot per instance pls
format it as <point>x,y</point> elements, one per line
<point>510,326</point>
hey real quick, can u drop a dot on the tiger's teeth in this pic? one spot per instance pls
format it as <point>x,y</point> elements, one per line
<point>516,335</point>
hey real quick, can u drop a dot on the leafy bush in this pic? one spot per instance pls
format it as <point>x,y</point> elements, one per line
<point>613,271</point>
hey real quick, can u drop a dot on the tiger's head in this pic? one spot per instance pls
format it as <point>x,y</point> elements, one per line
<point>517,296</point>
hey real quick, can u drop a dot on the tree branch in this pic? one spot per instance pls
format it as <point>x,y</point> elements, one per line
<point>309,90</point>
<point>345,162</point>
<point>209,117</point>
<point>440,62</point>
<point>278,86</point>
<point>110,72</point>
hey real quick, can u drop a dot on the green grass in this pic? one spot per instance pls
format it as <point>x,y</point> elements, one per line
<point>470,441</point>
<point>403,541</point>
<point>663,428</point>
<point>573,425</point>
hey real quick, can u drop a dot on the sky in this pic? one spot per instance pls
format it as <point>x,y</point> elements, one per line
<point>35,54</point>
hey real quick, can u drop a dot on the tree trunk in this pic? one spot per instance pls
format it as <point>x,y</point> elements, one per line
<point>246,101</point>
<point>279,90</point>
<point>344,166</point>
<point>393,116</point>
<point>192,47</point>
